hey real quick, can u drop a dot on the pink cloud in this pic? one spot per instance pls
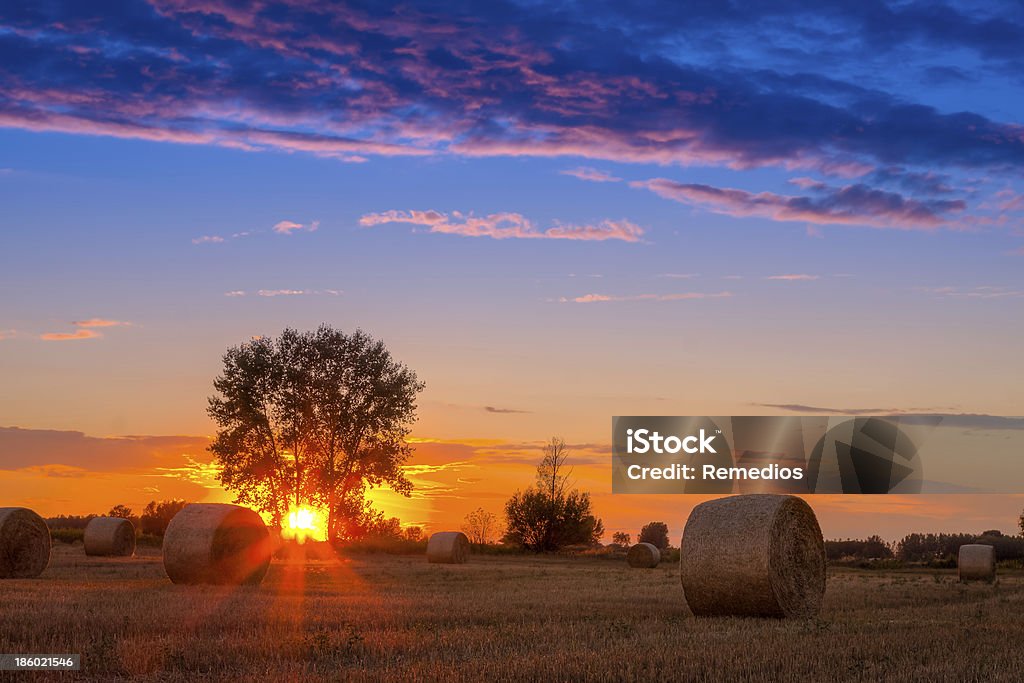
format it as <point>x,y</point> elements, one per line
<point>1010,200</point>
<point>506,226</point>
<point>100,322</point>
<point>38,119</point>
<point>288,227</point>
<point>604,298</point>
<point>792,277</point>
<point>86,329</point>
<point>208,239</point>
<point>591,174</point>
<point>293,292</point>
<point>70,336</point>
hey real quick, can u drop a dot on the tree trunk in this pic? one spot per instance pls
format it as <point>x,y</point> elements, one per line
<point>331,517</point>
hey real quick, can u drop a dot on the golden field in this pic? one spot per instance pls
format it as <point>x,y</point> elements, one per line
<point>383,617</point>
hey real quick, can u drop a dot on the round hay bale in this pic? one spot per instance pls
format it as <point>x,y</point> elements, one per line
<point>216,543</point>
<point>448,547</point>
<point>757,555</point>
<point>976,562</point>
<point>24,544</point>
<point>109,536</point>
<point>643,556</point>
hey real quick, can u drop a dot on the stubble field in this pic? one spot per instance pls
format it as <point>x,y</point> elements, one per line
<point>497,618</point>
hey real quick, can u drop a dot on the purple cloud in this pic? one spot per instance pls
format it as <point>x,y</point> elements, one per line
<point>352,82</point>
<point>856,204</point>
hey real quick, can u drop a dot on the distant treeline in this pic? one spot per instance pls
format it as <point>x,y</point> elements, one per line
<point>932,549</point>
<point>152,522</point>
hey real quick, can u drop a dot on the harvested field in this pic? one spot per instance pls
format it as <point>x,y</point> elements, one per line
<point>383,617</point>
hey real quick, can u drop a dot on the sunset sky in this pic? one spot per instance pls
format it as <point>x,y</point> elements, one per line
<point>553,212</point>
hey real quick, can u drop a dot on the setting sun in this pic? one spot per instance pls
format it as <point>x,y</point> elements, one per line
<point>305,524</point>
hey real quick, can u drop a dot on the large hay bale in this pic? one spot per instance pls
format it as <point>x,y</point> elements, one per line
<point>24,544</point>
<point>758,555</point>
<point>109,536</point>
<point>643,556</point>
<point>216,543</point>
<point>977,562</point>
<point>448,547</point>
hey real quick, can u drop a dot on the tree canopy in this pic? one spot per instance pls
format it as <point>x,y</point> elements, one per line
<point>655,533</point>
<point>313,418</point>
<point>549,516</point>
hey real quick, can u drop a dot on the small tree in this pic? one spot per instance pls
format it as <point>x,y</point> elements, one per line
<point>413,533</point>
<point>621,539</point>
<point>157,516</point>
<point>122,511</point>
<point>655,533</point>
<point>125,512</point>
<point>386,527</point>
<point>480,526</point>
<point>548,516</point>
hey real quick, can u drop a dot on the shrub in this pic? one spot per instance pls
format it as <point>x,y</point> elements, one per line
<point>65,535</point>
<point>655,533</point>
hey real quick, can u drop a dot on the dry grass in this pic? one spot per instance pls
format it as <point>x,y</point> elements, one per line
<point>499,618</point>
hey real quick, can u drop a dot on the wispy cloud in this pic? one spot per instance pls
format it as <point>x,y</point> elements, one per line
<point>100,322</point>
<point>980,292</point>
<point>288,227</point>
<point>605,298</point>
<point>793,277</point>
<point>505,226</point>
<point>823,410</point>
<point>279,228</point>
<point>270,293</point>
<point>856,204</point>
<point>70,336</point>
<point>7,334</point>
<point>193,470</point>
<point>1008,200</point>
<point>505,411</point>
<point>679,276</point>
<point>86,329</point>
<point>591,174</point>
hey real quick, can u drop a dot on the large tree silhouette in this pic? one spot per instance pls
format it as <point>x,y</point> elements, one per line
<point>313,418</point>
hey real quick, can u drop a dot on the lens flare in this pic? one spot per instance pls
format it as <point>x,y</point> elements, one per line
<point>304,524</point>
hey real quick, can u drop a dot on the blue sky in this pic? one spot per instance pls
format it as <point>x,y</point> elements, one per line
<point>559,211</point>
